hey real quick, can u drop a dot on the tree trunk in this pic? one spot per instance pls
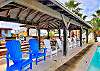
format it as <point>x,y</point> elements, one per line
<point>95,36</point>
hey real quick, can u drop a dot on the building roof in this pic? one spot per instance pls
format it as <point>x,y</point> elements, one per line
<point>44,14</point>
<point>56,5</point>
<point>5,28</point>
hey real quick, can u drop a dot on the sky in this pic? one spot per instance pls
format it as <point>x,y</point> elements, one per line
<point>89,7</point>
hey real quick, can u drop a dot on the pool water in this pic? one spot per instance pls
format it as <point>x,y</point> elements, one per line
<point>95,63</point>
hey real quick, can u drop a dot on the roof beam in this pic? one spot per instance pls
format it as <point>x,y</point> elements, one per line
<point>38,21</point>
<point>32,4</point>
<point>3,9</point>
<point>8,13</point>
<point>17,16</point>
<point>28,14</point>
<point>48,20</point>
<point>45,19</point>
<point>28,26</point>
<point>53,24</point>
<point>37,13</point>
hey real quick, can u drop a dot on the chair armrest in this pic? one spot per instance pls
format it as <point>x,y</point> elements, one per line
<point>28,49</point>
<point>8,58</point>
<point>27,52</point>
<point>44,49</point>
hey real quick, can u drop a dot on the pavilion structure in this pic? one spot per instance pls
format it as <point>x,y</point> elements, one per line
<point>43,14</point>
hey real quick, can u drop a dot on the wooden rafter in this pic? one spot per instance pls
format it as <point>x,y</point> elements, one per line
<point>28,14</point>
<point>28,26</point>
<point>38,21</point>
<point>9,6</point>
<point>48,20</point>
<point>3,9</point>
<point>17,16</point>
<point>54,24</point>
<point>59,25</point>
<point>16,5</point>
<point>8,13</point>
<point>58,22</point>
<point>51,19</point>
<point>37,13</point>
<point>50,25</point>
<point>43,25</point>
<point>45,19</point>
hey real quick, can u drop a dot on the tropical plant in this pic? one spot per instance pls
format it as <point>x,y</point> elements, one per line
<point>84,17</point>
<point>97,14</point>
<point>74,7</point>
<point>96,23</point>
<point>96,20</point>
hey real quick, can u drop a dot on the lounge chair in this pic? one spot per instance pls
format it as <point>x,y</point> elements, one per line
<point>74,42</point>
<point>49,49</point>
<point>59,44</point>
<point>98,39</point>
<point>14,53</point>
<point>34,49</point>
<point>70,44</point>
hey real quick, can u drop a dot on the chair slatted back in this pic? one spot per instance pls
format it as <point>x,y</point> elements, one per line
<point>14,50</point>
<point>34,45</point>
<point>47,43</point>
<point>60,45</point>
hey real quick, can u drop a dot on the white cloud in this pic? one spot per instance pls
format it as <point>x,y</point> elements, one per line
<point>89,6</point>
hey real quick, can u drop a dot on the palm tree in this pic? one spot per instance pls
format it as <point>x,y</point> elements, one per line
<point>84,17</point>
<point>97,14</point>
<point>96,20</point>
<point>74,7</point>
<point>96,23</point>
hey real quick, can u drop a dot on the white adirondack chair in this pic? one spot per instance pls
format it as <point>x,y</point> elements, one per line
<point>49,49</point>
<point>59,44</point>
<point>74,42</point>
<point>70,44</point>
<point>98,39</point>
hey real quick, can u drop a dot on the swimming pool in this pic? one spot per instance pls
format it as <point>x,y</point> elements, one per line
<point>95,63</point>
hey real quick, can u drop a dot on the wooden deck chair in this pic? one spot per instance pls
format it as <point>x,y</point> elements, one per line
<point>14,53</point>
<point>49,49</point>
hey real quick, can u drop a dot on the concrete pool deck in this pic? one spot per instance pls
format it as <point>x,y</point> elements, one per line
<point>57,61</point>
<point>83,62</point>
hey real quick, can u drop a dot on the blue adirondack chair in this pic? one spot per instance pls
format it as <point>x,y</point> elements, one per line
<point>14,53</point>
<point>34,49</point>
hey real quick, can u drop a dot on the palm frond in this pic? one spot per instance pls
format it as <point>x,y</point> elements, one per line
<point>84,17</point>
<point>94,15</point>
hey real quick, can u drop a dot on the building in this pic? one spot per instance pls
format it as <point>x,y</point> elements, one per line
<point>5,32</point>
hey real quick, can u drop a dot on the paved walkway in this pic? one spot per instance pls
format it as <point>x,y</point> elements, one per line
<point>80,62</point>
<point>83,63</point>
<point>50,64</point>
